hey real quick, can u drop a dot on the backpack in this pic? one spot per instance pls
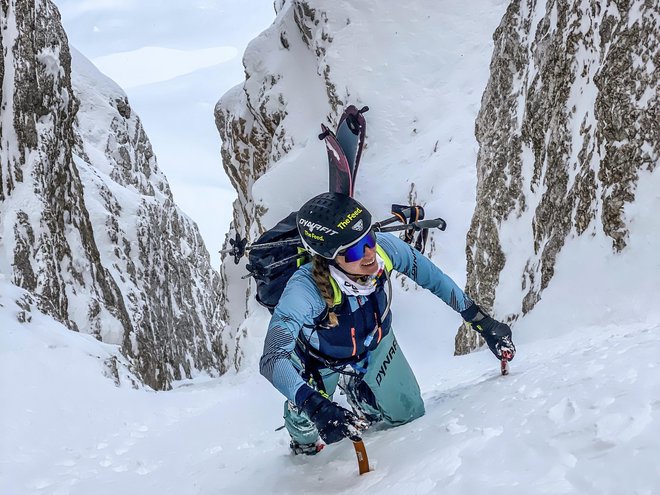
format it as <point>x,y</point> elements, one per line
<point>273,265</point>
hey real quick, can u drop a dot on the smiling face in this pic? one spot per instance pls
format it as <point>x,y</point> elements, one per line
<point>362,267</point>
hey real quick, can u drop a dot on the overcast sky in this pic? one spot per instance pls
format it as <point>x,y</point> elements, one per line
<point>175,60</point>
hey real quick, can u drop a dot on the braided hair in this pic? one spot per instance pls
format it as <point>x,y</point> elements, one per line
<point>321,273</point>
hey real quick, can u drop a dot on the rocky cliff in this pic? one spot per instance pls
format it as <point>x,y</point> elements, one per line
<point>568,124</point>
<point>88,223</point>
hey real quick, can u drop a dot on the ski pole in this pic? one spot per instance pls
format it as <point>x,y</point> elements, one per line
<point>388,221</point>
<point>276,264</point>
<point>438,223</point>
<point>401,214</point>
<point>421,224</point>
<point>240,246</point>
<point>265,245</point>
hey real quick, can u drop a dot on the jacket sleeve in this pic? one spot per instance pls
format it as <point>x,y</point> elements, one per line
<point>299,304</point>
<point>407,260</point>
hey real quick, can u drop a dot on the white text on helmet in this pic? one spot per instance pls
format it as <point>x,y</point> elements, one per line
<point>315,226</point>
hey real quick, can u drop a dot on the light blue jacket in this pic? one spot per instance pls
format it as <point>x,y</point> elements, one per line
<point>301,303</point>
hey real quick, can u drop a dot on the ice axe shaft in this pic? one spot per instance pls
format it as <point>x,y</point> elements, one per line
<point>361,453</point>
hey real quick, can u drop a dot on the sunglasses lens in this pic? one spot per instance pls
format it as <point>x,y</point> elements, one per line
<point>356,252</point>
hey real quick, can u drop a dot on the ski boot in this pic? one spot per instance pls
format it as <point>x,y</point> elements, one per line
<point>306,448</point>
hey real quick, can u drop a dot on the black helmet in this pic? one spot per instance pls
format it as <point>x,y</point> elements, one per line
<point>331,222</point>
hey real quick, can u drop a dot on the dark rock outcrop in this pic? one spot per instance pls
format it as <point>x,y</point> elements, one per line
<point>568,119</point>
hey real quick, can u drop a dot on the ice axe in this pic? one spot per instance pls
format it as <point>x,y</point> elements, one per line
<point>361,453</point>
<point>507,356</point>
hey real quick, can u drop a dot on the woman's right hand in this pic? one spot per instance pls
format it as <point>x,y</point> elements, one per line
<point>331,420</point>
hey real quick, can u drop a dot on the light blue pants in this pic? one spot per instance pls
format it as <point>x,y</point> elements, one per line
<point>388,392</point>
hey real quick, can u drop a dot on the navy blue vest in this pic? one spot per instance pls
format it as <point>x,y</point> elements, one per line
<point>346,341</point>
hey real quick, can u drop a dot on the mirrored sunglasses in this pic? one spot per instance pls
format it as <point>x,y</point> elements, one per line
<point>356,251</point>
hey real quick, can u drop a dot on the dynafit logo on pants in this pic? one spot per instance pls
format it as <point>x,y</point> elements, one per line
<point>386,363</point>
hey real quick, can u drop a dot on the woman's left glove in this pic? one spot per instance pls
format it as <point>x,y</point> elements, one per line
<point>496,334</point>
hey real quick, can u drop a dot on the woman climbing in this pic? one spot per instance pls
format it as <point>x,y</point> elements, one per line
<point>333,320</point>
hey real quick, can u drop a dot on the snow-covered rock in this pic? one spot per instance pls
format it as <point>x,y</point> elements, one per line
<point>567,130</point>
<point>88,223</point>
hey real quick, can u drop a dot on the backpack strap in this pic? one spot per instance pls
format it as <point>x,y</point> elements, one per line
<point>303,257</point>
<point>389,266</point>
<point>337,294</point>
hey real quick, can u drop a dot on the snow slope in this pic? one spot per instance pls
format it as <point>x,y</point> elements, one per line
<point>577,414</point>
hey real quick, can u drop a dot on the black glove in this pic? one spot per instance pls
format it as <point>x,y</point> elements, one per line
<point>496,334</point>
<point>333,422</point>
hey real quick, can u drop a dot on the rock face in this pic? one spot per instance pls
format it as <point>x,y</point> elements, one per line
<point>87,219</point>
<point>569,120</point>
<point>252,122</point>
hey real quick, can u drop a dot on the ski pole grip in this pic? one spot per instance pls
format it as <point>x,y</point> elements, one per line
<point>419,225</point>
<point>430,224</point>
<point>379,225</point>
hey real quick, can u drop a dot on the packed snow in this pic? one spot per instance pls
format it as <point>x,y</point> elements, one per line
<point>577,414</point>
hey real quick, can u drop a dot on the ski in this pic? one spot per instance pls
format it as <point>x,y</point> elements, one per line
<point>344,149</point>
<point>340,178</point>
<point>351,131</point>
